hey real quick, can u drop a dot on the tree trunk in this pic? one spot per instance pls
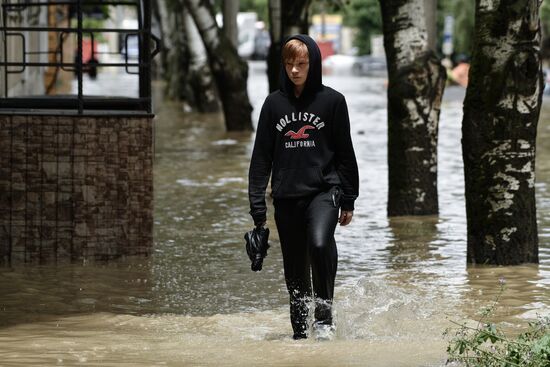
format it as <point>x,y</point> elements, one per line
<point>176,51</point>
<point>274,53</point>
<point>430,9</point>
<point>285,18</point>
<point>158,21</point>
<point>229,70</point>
<point>159,63</point>
<point>201,78</point>
<point>184,62</point>
<point>416,84</point>
<point>501,111</point>
<point>230,10</point>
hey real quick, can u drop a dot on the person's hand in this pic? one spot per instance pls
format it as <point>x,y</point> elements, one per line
<point>345,217</point>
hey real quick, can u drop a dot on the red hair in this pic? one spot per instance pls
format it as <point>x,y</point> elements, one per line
<point>294,49</point>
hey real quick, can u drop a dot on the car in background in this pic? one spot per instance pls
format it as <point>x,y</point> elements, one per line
<point>338,64</point>
<point>246,38</point>
<point>262,42</point>
<point>370,66</point>
<point>132,47</point>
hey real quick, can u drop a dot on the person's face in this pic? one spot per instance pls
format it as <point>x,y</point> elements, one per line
<point>297,70</point>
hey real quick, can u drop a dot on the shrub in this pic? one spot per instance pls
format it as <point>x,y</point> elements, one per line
<point>488,346</point>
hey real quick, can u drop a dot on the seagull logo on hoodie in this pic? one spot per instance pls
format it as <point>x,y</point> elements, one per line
<point>301,134</point>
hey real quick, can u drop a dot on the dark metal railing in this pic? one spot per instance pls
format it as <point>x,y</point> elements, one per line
<point>80,103</point>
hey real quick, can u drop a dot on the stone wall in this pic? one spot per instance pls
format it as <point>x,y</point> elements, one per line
<point>74,188</point>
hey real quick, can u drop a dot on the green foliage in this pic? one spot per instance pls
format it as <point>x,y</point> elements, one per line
<point>261,7</point>
<point>91,9</point>
<point>174,5</point>
<point>366,16</point>
<point>463,12</point>
<point>258,6</point>
<point>328,6</point>
<point>545,17</point>
<point>92,23</point>
<point>488,346</point>
<point>217,5</point>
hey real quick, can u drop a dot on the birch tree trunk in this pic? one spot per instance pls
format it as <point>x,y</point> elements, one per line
<point>229,70</point>
<point>201,78</point>
<point>184,62</point>
<point>230,10</point>
<point>416,84</point>
<point>286,17</point>
<point>501,112</point>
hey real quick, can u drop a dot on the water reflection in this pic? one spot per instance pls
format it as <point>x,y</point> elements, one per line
<point>411,245</point>
<point>39,293</point>
<point>523,296</point>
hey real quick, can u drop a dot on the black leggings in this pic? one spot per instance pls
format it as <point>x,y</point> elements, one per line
<point>306,230</point>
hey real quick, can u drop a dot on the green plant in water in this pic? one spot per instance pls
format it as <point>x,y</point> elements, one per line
<point>486,345</point>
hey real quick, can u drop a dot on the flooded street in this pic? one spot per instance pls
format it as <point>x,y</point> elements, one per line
<point>195,302</point>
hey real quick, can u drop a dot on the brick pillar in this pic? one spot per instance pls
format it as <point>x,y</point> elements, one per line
<point>75,187</point>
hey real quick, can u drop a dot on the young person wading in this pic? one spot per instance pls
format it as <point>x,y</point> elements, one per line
<point>303,140</point>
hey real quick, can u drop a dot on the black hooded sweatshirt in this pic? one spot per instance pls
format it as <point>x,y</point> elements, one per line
<point>303,141</point>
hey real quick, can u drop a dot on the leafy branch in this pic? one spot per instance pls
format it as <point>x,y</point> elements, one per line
<point>487,345</point>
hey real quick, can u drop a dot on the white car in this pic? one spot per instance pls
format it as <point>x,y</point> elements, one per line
<point>338,64</point>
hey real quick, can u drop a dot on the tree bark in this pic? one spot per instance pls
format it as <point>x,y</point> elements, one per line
<point>430,10</point>
<point>176,52</point>
<point>201,78</point>
<point>229,70</point>
<point>184,62</point>
<point>274,53</point>
<point>415,89</point>
<point>230,10</point>
<point>285,18</point>
<point>160,63</point>
<point>501,112</point>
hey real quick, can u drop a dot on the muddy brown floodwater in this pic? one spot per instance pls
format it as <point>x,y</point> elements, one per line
<point>195,302</point>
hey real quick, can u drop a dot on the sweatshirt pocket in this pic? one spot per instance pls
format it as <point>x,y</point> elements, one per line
<point>296,182</point>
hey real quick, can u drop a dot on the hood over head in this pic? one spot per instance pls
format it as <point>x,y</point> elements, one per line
<point>314,80</point>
